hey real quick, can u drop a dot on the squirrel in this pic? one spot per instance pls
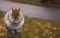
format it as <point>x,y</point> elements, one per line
<point>14,19</point>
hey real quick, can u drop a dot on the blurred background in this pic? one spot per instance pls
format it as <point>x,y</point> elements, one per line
<point>42,17</point>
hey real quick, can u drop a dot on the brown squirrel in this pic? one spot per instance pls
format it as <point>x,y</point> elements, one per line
<point>14,20</point>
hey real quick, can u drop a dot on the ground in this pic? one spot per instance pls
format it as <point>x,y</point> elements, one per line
<point>35,28</point>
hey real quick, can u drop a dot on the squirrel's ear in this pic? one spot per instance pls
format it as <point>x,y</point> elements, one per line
<point>13,8</point>
<point>18,9</point>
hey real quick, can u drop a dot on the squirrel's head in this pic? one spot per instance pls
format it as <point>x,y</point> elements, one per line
<point>15,13</point>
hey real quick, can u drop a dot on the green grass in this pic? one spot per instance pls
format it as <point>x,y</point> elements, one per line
<point>38,28</point>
